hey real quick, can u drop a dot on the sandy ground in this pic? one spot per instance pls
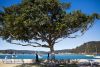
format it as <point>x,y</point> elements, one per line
<point>8,65</point>
<point>16,65</point>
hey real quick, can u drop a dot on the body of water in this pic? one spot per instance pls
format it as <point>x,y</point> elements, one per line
<point>58,57</point>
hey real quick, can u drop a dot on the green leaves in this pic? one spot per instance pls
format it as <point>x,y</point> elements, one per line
<point>45,20</point>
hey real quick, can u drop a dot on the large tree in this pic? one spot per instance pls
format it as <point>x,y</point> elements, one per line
<point>45,20</point>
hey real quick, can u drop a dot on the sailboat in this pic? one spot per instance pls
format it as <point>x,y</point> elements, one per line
<point>14,55</point>
<point>40,56</point>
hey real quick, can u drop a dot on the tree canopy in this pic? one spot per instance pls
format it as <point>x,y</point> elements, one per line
<point>45,20</point>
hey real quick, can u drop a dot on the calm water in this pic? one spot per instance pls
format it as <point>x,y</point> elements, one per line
<point>58,57</point>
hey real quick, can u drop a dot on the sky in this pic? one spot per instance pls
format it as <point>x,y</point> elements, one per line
<point>86,6</point>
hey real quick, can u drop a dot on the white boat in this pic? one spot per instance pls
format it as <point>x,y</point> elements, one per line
<point>97,57</point>
<point>89,55</point>
<point>5,57</point>
<point>40,56</point>
<point>13,55</point>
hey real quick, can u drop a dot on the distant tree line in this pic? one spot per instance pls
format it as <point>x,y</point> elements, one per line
<point>88,48</point>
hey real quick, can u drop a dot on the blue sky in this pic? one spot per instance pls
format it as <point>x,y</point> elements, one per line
<point>86,6</point>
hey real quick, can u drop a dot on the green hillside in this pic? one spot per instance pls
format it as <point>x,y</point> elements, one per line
<point>88,48</point>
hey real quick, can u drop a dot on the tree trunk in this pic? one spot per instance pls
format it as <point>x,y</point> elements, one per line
<point>51,49</point>
<point>52,53</point>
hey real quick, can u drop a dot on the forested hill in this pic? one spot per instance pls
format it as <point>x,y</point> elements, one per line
<point>11,51</point>
<point>89,47</point>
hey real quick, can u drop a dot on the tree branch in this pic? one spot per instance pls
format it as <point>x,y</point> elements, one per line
<point>75,36</point>
<point>58,41</point>
<point>42,36</point>
<point>39,45</point>
<point>35,43</point>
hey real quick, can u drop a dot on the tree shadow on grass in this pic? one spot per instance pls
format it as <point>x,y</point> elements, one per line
<point>47,65</point>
